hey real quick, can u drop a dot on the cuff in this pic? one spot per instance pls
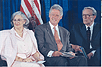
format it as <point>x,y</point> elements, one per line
<point>93,52</point>
<point>50,53</point>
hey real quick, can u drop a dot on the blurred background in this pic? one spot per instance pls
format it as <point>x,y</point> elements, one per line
<point>72,11</point>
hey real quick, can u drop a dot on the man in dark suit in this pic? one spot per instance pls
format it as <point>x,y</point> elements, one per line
<point>88,35</point>
<point>53,40</point>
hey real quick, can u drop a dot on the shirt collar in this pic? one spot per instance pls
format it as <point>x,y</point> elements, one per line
<point>89,26</point>
<point>52,25</point>
<point>24,31</point>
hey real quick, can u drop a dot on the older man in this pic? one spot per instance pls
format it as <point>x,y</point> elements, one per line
<point>53,40</point>
<point>88,35</point>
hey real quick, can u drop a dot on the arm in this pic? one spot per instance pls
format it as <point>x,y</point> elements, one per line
<point>3,36</point>
<point>73,40</point>
<point>42,45</point>
<point>35,52</point>
<point>69,48</point>
<point>37,56</point>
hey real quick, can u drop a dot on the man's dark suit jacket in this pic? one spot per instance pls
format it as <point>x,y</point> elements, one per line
<point>78,36</point>
<point>46,41</point>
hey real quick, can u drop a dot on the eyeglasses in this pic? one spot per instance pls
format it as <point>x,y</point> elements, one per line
<point>17,20</point>
<point>87,15</point>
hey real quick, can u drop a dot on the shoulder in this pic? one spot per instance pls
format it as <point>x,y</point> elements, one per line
<point>63,29</point>
<point>29,31</point>
<point>5,32</point>
<point>42,25</point>
<point>78,26</point>
<point>97,24</point>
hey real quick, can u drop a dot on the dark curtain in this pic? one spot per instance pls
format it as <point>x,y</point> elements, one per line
<point>7,7</point>
<point>46,4</point>
<point>72,10</point>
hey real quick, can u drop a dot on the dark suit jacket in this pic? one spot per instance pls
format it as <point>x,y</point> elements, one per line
<point>78,36</point>
<point>46,41</point>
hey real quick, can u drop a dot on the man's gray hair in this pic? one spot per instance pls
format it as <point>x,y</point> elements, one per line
<point>91,8</point>
<point>57,7</point>
<point>23,16</point>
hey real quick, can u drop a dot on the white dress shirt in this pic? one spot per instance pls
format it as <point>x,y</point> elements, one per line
<point>51,52</point>
<point>91,29</point>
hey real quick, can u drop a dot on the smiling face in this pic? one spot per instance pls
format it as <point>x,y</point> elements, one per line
<point>55,17</point>
<point>18,21</point>
<point>88,17</point>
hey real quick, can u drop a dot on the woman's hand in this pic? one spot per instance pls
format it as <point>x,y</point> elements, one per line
<point>23,60</point>
<point>28,60</point>
<point>18,59</point>
<point>37,56</point>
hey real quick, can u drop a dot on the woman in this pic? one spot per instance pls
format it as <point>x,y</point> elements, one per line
<point>18,45</point>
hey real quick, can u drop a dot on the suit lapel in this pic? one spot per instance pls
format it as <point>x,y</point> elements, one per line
<point>61,34</point>
<point>48,28</point>
<point>83,31</point>
<point>61,38</point>
<point>96,29</point>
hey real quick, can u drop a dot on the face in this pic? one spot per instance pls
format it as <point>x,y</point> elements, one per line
<point>55,17</point>
<point>18,21</point>
<point>88,17</point>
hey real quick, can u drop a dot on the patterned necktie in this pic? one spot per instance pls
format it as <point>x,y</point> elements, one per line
<point>59,43</point>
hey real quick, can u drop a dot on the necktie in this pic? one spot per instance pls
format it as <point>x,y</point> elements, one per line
<point>88,40</point>
<point>59,43</point>
<point>88,34</point>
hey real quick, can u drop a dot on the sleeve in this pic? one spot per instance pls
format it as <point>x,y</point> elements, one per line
<point>93,52</point>
<point>40,36</point>
<point>35,49</point>
<point>72,36</point>
<point>69,48</point>
<point>3,36</point>
<point>50,53</point>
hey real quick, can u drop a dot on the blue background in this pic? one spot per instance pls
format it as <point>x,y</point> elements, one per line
<point>72,11</point>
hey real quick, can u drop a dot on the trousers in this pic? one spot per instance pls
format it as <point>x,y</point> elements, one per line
<point>65,61</point>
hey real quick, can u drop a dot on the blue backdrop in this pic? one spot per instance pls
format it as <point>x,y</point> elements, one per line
<point>72,11</point>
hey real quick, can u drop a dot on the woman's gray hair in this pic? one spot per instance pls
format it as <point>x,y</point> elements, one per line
<point>93,10</point>
<point>57,7</point>
<point>23,16</point>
